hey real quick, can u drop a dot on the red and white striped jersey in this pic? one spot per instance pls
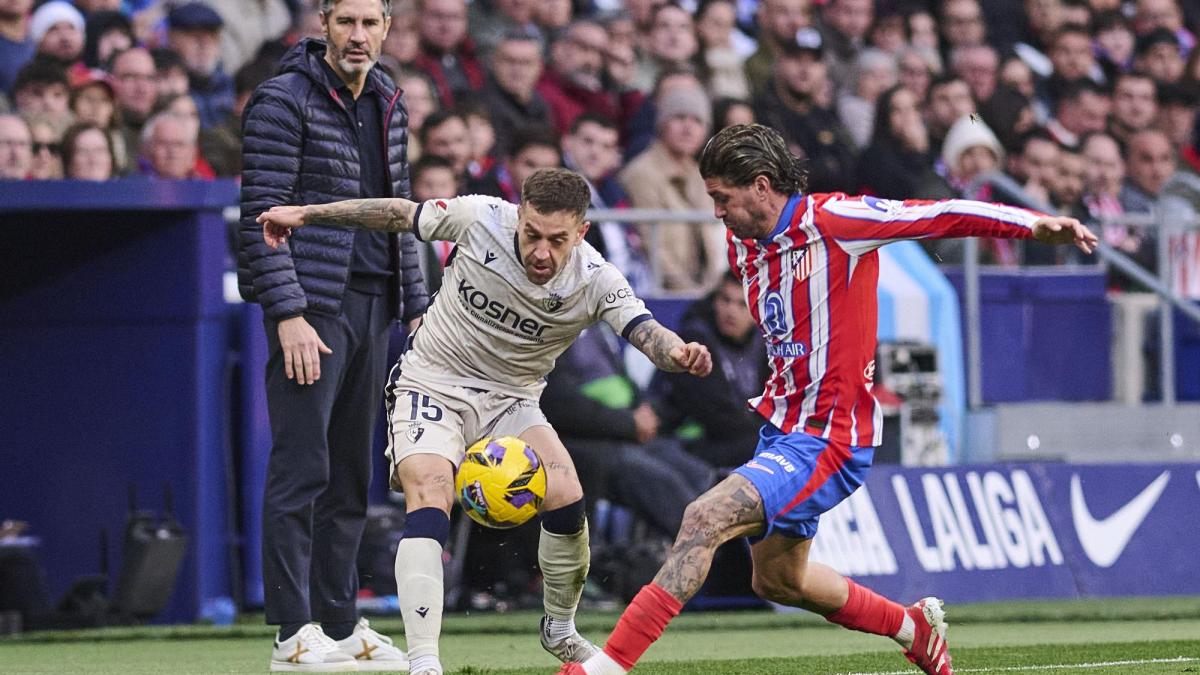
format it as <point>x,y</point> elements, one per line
<point>811,287</point>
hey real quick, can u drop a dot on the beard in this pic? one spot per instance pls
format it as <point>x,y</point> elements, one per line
<point>56,59</point>
<point>756,224</point>
<point>353,68</point>
<point>342,59</point>
<point>798,95</point>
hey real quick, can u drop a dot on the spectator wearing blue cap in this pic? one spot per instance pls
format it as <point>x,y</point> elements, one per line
<point>194,32</point>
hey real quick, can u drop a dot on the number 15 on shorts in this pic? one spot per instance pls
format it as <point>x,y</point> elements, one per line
<point>421,405</point>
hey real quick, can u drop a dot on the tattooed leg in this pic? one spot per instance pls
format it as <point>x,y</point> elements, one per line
<point>731,509</point>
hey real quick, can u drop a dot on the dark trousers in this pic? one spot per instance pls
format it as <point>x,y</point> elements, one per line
<point>315,502</point>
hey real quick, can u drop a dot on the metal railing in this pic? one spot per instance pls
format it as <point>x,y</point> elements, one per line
<point>1161,285</point>
<point>654,217</point>
<point>1012,192</point>
<point>1168,223</point>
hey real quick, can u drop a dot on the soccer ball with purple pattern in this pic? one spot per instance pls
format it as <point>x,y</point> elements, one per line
<point>501,482</point>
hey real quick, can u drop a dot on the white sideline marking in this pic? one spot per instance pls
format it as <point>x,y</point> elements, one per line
<point>1062,666</point>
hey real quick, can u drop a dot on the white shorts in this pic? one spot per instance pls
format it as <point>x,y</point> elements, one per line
<point>438,418</point>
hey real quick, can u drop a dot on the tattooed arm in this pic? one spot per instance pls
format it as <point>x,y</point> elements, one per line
<point>386,215</point>
<point>668,351</point>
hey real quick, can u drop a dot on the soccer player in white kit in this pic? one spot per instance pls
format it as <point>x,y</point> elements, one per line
<point>521,286</point>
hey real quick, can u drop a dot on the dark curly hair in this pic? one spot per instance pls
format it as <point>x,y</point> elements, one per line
<point>740,153</point>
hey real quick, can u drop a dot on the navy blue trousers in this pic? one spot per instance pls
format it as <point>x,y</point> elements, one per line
<point>315,502</point>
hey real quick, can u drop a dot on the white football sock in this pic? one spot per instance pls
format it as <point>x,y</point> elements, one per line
<point>602,664</point>
<point>564,559</point>
<point>420,587</point>
<point>557,630</point>
<point>908,631</point>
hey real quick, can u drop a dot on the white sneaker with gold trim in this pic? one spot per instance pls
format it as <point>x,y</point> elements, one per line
<point>373,651</point>
<point>310,650</point>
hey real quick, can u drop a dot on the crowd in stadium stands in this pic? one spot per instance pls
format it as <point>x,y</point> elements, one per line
<point>1089,104</point>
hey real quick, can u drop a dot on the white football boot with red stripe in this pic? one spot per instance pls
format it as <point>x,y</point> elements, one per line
<point>929,650</point>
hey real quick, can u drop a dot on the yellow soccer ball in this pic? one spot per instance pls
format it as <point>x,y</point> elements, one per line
<point>501,482</point>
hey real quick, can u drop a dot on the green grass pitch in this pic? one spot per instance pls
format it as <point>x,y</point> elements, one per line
<point>1103,637</point>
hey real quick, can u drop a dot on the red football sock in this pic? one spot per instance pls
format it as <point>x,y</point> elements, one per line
<point>869,612</point>
<point>641,624</point>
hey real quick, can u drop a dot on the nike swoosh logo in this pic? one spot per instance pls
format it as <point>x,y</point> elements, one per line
<point>1105,539</point>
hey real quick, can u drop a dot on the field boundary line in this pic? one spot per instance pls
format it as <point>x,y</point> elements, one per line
<point>1053,666</point>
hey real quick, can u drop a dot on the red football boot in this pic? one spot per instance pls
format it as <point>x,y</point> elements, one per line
<point>571,668</point>
<point>929,650</point>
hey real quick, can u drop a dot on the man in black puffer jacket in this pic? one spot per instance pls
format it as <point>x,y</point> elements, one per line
<point>329,127</point>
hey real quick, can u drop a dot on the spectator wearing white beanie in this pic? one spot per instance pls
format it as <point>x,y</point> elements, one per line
<point>57,28</point>
<point>970,150</point>
<point>684,103</point>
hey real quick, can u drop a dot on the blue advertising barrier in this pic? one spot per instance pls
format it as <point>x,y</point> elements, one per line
<point>255,446</point>
<point>1026,317</point>
<point>1002,532</point>
<point>115,358</point>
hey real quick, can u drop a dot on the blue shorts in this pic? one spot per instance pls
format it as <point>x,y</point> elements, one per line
<point>799,477</point>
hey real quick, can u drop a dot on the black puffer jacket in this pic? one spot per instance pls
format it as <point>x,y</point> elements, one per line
<point>298,148</point>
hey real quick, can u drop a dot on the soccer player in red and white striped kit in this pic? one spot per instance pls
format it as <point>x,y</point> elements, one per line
<point>809,268</point>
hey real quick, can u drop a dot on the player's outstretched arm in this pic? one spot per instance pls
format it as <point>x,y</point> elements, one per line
<point>861,225</point>
<point>1058,230</point>
<point>386,215</point>
<point>668,351</point>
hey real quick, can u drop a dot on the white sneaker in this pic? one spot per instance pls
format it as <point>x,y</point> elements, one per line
<point>373,651</point>
<point>310,650</point>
